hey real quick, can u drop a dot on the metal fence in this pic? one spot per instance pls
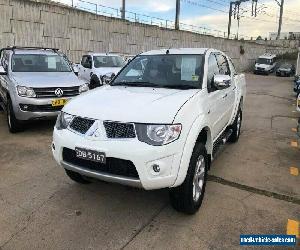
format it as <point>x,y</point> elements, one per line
<point>99,9</point>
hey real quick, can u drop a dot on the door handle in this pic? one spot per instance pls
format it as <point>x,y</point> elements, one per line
<point>224,96</point>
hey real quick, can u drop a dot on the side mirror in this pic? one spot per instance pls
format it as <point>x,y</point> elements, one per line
<point>75,69</point>
<point>222,81</point>
<point>2,71</point>
<point>106,79</point>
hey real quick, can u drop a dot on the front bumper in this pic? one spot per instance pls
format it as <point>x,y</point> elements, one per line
<point>142,155</point>
<point>38,108</point>
<point>261,71</point>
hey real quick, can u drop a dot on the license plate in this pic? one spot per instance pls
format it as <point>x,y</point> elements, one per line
<point>90,155</point>
<point>59,102</point>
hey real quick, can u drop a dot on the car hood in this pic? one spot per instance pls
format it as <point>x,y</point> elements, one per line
<point>106,70</point>
<point>130,104</point>
<point>46,79</point>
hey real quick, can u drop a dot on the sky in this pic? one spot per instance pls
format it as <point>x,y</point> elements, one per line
<point>210,14</point>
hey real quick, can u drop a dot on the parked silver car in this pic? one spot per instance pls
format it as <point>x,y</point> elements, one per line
<point>35,83</point>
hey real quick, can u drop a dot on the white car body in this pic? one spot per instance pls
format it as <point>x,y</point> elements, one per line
<point>86,73</point>
<point>263,67</point>
<point>195,109</point>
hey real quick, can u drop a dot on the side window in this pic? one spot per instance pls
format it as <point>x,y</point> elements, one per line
<point>213,70</point>
<point>86,62</point>
<point>232,68</point>
<point>223,65</point>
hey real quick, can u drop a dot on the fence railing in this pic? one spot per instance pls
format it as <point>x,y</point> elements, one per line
<point>100,9</point>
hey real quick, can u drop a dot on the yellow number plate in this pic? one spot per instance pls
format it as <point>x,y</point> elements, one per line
<point>59,102</point>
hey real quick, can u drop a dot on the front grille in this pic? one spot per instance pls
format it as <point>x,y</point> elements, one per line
<point>113,165</point>
<point>119,130</point>
<point>40,108</point>
<point>50,92</point>
<point>81,125</point>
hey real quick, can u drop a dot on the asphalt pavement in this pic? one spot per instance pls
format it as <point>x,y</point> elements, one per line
<point>253,188</point>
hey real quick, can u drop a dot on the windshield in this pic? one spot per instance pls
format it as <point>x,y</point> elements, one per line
<point>166,71</point>
<point>39,63</point>
<point>108,61</point>
<point>264,61</point>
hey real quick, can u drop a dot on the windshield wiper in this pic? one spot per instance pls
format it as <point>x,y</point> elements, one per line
<point>136,84</point>
<point>180,86</point>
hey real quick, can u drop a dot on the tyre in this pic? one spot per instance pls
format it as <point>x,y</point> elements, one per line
<point>76,177</point>
<point>14,125</point>
<point>187,197</point>
<point>236,127</point>
<point>95,82</point>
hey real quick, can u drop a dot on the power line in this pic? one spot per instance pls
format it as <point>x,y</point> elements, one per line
<point>202,5</point>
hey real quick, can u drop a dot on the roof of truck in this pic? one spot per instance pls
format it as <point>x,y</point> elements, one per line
<point>177,51</point>
<point>267,56</point>
<point>31,51</point>
<point>102,54</point>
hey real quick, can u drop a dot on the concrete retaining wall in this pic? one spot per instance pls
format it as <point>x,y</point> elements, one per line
<point>44,23</point>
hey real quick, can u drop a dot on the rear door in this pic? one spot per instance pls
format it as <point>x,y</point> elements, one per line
<point>216,99</point>
<point>229,93</point>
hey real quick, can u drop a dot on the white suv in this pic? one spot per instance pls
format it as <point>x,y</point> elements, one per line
<point>99,68</point>
<point>159,124</point>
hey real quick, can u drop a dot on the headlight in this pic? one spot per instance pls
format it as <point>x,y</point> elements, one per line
<point>83,88</point>
<point>25,91</point>
<point>158,134</point>
<point>63,120</point>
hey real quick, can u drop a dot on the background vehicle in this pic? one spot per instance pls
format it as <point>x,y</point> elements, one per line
<point>159,124</point>
<point>99,68</point>
<point>128,58</point>
<point>265,64</point>
<point>35,83</point>
<point>297,74</point>
<point>286,69</point>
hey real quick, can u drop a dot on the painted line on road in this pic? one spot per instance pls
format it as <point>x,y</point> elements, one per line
<point>292,228</point>
<point>294,144</point>
<point>294,129</point>
<point>254,190</point>
<point>294,111</point>
<point>294,171</point>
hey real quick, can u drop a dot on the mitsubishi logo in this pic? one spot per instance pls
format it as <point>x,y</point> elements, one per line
<point>58,92</point>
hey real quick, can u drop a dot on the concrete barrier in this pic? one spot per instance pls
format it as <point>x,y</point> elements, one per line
<point>48,24</point>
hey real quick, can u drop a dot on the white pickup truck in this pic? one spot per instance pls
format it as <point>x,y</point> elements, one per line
<point>99,68</point>
<point>158,124</point>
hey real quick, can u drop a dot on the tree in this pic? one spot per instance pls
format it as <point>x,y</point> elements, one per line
<point>259,38</point>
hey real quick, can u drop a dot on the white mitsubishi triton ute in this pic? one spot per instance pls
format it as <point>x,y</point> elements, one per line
<point>158,124</point>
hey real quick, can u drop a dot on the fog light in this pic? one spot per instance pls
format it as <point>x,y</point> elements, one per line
<point>24,107</point>
<point>156,168</point>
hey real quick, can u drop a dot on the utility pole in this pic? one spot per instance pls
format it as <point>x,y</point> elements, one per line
<point>229,20</point>
<point>236,12</point>
<point>280,18</point>
<point>123,10</point>
<point>177,15</point>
